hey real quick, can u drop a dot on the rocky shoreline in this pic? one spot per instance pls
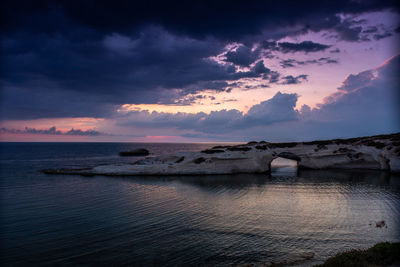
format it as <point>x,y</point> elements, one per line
<point>381,152</point>
<point>381,254</point>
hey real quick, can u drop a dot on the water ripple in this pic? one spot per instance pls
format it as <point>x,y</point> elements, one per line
<point>209,220</point>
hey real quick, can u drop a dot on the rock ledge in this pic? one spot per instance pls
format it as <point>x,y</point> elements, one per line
<point>381,152</point>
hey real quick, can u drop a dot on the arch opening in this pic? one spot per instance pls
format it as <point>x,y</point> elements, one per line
<point>283,167</point>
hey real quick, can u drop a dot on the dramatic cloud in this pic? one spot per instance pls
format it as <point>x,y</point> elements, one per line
<point>382,35</point>
<point>289,63</point>
<point>280,108</point>
<point>353,30</point>
<point>242,56</point>
<point>293,79</point>
<point>350,30</point>
<point>231,20</point>
<point>354,82</point>
<point>94,76</point>
<point>287,47</point>
<point>306,46</point>
<point>69,59</point>
<point>370,29</point>
<point>52,131</point>
<point>365,104</point>
<point>259,68</point>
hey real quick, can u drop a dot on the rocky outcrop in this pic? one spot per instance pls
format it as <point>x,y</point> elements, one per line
<point>377,152</point>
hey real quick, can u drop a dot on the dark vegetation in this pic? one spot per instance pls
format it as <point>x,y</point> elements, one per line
<point>382,254</point>
<point>396,143</point>
<point>282,145</point>
<point>320,147</point>
<point>252,143</point>
<point>263,147</point>
<point>366,140</point>
<point>378,145</point>
<point>322,144</point>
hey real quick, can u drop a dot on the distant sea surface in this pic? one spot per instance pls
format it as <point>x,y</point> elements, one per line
<point>196,220</point>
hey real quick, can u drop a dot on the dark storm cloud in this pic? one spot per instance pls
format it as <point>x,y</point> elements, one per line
<point>306,46</point>
<point>355,31</point>
<point>287,47</point>
<point>260,68</point>
<point>250,87</point>
<point>82,58</point>
<point>269,45</point>
<point>274,77</point>
<point>349,31</point>
<point>382,35</point>
<point>293,79</point>
<point>371,29</point>
<point>52,131</point>
<point>63,77</point>
<point>242,56</point>
<point>211,85</point>
<point>289,63</point>
<point>155,59</point>
<point>225,19</point>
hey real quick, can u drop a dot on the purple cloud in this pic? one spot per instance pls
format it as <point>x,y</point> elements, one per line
<point>293,79</point>
<point>289,63</point>
<point>242,56</point>
<point>279,108</point>
<point>53,131</point>
<point>365,104</point>
<point>306,47</point>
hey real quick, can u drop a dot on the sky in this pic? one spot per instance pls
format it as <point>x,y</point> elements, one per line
<point>198,71</point>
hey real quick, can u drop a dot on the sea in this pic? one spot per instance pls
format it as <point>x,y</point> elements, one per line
<point>217,220</point>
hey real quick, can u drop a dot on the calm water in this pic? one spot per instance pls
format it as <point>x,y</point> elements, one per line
<point>205,220</point>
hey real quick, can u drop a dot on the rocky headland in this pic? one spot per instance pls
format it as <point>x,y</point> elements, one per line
<point>381,152</point>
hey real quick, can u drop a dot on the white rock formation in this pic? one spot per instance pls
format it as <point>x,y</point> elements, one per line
<point>377,152</point>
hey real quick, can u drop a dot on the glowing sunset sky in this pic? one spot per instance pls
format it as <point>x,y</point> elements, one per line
<point>190,71</point>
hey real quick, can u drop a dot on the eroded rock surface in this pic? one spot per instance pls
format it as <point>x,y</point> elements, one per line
<point>377,152</point>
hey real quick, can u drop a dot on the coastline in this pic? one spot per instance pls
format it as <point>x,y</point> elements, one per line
<point>381,152</point>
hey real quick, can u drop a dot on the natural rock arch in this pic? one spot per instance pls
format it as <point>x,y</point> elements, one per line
<point>380,152</point>
<point>284,155</point>
<point>289,155</point>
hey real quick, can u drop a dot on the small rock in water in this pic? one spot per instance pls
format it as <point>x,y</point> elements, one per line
<point>135,152</point>
<point>380,224</point>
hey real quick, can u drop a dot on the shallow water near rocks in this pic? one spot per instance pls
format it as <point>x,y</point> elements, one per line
<point>200,220</point>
